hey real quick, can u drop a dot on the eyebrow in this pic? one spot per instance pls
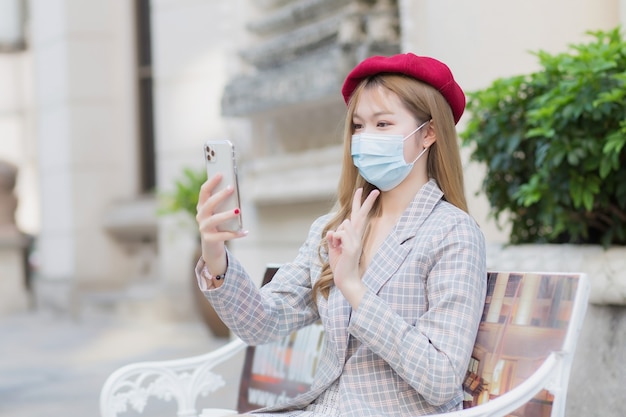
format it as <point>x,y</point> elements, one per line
<point>377,114</point>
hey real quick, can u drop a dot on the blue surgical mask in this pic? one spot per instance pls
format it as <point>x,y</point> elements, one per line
<point>380,158</point>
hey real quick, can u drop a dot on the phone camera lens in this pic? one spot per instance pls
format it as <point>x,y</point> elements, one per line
<point>210,153</point>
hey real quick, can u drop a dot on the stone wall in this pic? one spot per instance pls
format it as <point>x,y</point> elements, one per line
<point>598,377</point>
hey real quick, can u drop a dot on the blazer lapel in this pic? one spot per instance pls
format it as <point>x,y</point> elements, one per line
<point>396,246</point>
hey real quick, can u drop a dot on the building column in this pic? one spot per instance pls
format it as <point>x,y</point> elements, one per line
<point>83,107</point>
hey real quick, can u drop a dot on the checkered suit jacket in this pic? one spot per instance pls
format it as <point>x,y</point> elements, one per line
<point>411,337</point>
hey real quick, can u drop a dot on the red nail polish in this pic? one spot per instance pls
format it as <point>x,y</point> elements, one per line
<point>237,211</point>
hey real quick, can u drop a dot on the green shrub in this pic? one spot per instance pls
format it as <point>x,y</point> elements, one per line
<point>553,142</point>
<point>184,196</point>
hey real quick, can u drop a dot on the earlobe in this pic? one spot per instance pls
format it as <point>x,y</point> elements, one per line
<point>431,136</point>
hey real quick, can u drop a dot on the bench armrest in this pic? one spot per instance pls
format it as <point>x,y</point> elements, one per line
<point>130,386</point>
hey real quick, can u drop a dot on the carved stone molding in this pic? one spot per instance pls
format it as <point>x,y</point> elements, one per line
<point>132,222</point>
<point>295,178</point>
<point>294,15</point>
<point>317,76</point>
<point>304,50</point>
<point>306,79</point>
<point>270,4</point>
<point>288,46</point>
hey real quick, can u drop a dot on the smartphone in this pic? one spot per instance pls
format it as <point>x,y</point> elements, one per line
<point>219,156</point>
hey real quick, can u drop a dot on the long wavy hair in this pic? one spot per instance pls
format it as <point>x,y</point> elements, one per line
<point>443,165</point>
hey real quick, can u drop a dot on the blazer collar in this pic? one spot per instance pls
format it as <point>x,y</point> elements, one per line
<point>396,246</point>
<point>418,210</point>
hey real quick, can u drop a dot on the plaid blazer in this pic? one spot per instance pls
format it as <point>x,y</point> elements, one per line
<point>413,333</point>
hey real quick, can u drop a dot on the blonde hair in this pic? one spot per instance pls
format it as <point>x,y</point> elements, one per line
<point>443,165</point>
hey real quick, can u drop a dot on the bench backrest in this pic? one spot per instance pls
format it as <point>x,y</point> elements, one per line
<point>526,317</point>
<point>282,369</point>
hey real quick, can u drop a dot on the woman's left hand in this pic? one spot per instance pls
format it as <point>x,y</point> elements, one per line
<point>345,246</point>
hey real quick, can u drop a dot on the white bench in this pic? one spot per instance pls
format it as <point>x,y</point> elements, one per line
<point>520,363</point>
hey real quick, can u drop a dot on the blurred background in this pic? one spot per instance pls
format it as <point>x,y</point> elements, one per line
<point>105,103</point>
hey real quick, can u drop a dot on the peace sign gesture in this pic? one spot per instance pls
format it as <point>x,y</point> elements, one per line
<point>345,246</point>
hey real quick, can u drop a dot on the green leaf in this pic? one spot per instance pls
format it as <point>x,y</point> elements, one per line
<point>184,197</point>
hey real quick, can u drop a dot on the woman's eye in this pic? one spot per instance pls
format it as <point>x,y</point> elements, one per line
<point>356,126</point>
<point>382,124</point>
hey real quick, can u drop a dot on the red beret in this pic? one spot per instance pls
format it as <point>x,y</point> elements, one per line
<point>423,68</point>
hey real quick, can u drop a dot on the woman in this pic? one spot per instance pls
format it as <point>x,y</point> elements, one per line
<point>396,274</point>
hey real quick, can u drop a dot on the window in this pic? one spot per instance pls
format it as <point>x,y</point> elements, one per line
<point>12,26</point>
<point>147,154</point>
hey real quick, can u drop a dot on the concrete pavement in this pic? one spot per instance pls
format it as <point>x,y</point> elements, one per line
<point>54,365</point>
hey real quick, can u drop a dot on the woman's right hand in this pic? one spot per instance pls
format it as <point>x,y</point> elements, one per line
<point>211,239</point>
<point>345,248</point>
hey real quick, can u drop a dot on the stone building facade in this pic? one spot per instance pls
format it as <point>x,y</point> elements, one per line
<point>264,73</point>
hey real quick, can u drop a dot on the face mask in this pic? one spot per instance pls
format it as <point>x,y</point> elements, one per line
<point>380,158</point>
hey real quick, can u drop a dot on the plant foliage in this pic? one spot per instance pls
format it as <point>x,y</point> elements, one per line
<point>184,197</point>
<point>554,145</point>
